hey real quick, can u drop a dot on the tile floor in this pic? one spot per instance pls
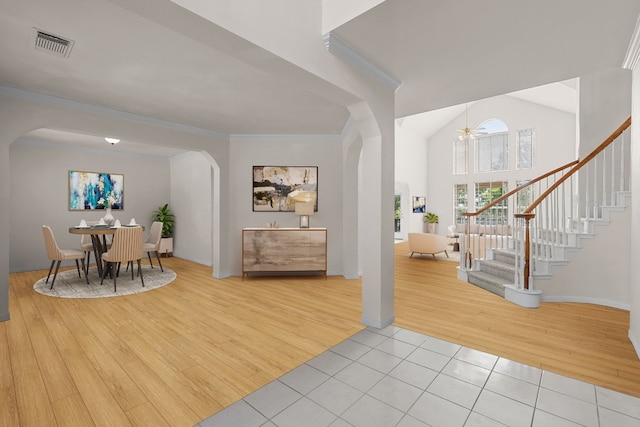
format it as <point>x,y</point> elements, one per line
<point>396,377</point>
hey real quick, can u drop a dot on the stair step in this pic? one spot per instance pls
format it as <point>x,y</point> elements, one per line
<point>504,255</point>
<point>487,282</point>
<point>503,270</point>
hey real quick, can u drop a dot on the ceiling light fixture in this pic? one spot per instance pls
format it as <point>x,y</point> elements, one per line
<point>112,141</point>
<point>467,132</point>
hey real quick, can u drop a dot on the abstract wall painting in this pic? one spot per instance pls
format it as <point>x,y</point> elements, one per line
<point>278,188</point>
<point>419,204</point>
<point>95,190</point>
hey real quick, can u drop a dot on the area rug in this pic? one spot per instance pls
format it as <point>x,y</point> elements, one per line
<point>69,285</point>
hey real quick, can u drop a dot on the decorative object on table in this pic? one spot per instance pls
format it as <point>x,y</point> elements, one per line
<point>54,253</point>
<point>68,285</point>
<point>419,204</point>
<point>304,210</point>
<point>431,219</point>
<point>108,218</point>
<point>279,188</point>
<point>95,190</point>
<point>167,218</point>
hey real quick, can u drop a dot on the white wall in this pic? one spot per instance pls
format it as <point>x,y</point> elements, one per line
<point>39,194</point>
<point>411,174</point>
<point>555,146</point>
<point>634,274</point>
<point>579,281</point>
<point>605,103</point>
<point>326,154</point>
<point>190,202</point>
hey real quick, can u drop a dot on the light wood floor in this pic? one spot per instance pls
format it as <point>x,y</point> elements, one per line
<point>178,354</point>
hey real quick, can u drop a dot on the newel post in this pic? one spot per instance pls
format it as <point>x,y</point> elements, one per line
<point>526,263</point>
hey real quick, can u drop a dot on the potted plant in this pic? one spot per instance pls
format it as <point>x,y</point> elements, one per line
<point>397,217</point>
<point>431,219</point>
<point>164,215</point>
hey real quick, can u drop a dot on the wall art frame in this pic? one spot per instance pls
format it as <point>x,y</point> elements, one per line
<point>419,204</point>
<point>95,191</point>
<point>278,188</point>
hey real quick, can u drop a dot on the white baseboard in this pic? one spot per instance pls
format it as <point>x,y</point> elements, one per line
<point>528,298</point>
<point>378,324</point>
<point>585,300</point>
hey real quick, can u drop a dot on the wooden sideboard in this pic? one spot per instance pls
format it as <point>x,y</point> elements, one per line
<point>284,249</point>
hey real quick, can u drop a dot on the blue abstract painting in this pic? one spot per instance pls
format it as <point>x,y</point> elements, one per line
<point>95,190</point>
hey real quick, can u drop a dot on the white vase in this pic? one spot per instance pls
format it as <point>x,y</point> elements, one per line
<point>108,218</point>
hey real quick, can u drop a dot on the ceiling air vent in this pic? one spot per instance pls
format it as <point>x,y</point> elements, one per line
<point>52,44</point>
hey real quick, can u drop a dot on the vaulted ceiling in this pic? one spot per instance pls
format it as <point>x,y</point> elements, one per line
<point>144,60</point>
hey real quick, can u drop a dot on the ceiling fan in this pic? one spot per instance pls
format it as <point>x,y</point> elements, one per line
<point>467,132</point>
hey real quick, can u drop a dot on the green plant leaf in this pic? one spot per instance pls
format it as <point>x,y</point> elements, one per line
<point>164,215</point>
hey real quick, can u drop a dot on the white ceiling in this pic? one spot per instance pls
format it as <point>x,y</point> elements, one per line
<point>561,96</point>
<point>152,59</point>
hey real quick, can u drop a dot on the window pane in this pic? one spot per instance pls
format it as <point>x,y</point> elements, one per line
<point>524,197</point>
<point>460,202</point>
<point>492,152</point>
<point>526,149</point>
<point>486,192</point>
<point>460,157</point>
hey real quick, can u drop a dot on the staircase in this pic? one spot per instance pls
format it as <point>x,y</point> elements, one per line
<point>498,266</point>
<point>575,202</point>
<point>494,271</point>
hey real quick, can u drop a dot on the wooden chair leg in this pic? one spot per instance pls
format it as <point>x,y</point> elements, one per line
<point>114,279</point>
<point>104,271</point>
<point>140,273</point>
<point>86,274</point>
<point>78,267</point>
<point>88,261</point>
<point>50,268</point>
<point>159,262</point>
<point>55,274</point>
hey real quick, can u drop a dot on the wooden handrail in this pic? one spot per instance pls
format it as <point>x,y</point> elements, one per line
<point>527,215</point>
<point>518,188</point>
<point>580,164</point>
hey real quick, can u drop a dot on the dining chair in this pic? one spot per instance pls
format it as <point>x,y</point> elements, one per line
<point>152,244</point>
<point>87,247</point>
<point>54,253</point>
<point>125,247</point>
<point>86,244</point>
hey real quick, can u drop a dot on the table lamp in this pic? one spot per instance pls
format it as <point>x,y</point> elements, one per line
<point>304,210</point>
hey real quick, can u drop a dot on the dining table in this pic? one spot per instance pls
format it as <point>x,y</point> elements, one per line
<point>98,233</point>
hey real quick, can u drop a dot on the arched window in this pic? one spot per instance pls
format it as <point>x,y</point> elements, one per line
<point>492,146</point>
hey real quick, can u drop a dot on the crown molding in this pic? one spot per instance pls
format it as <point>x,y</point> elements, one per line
<point>353,57</point>
<point>632,58</point>
<point>104,111</point>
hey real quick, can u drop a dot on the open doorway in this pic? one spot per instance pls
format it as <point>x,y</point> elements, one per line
<point>401,212</point>
<point>397,216</point>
